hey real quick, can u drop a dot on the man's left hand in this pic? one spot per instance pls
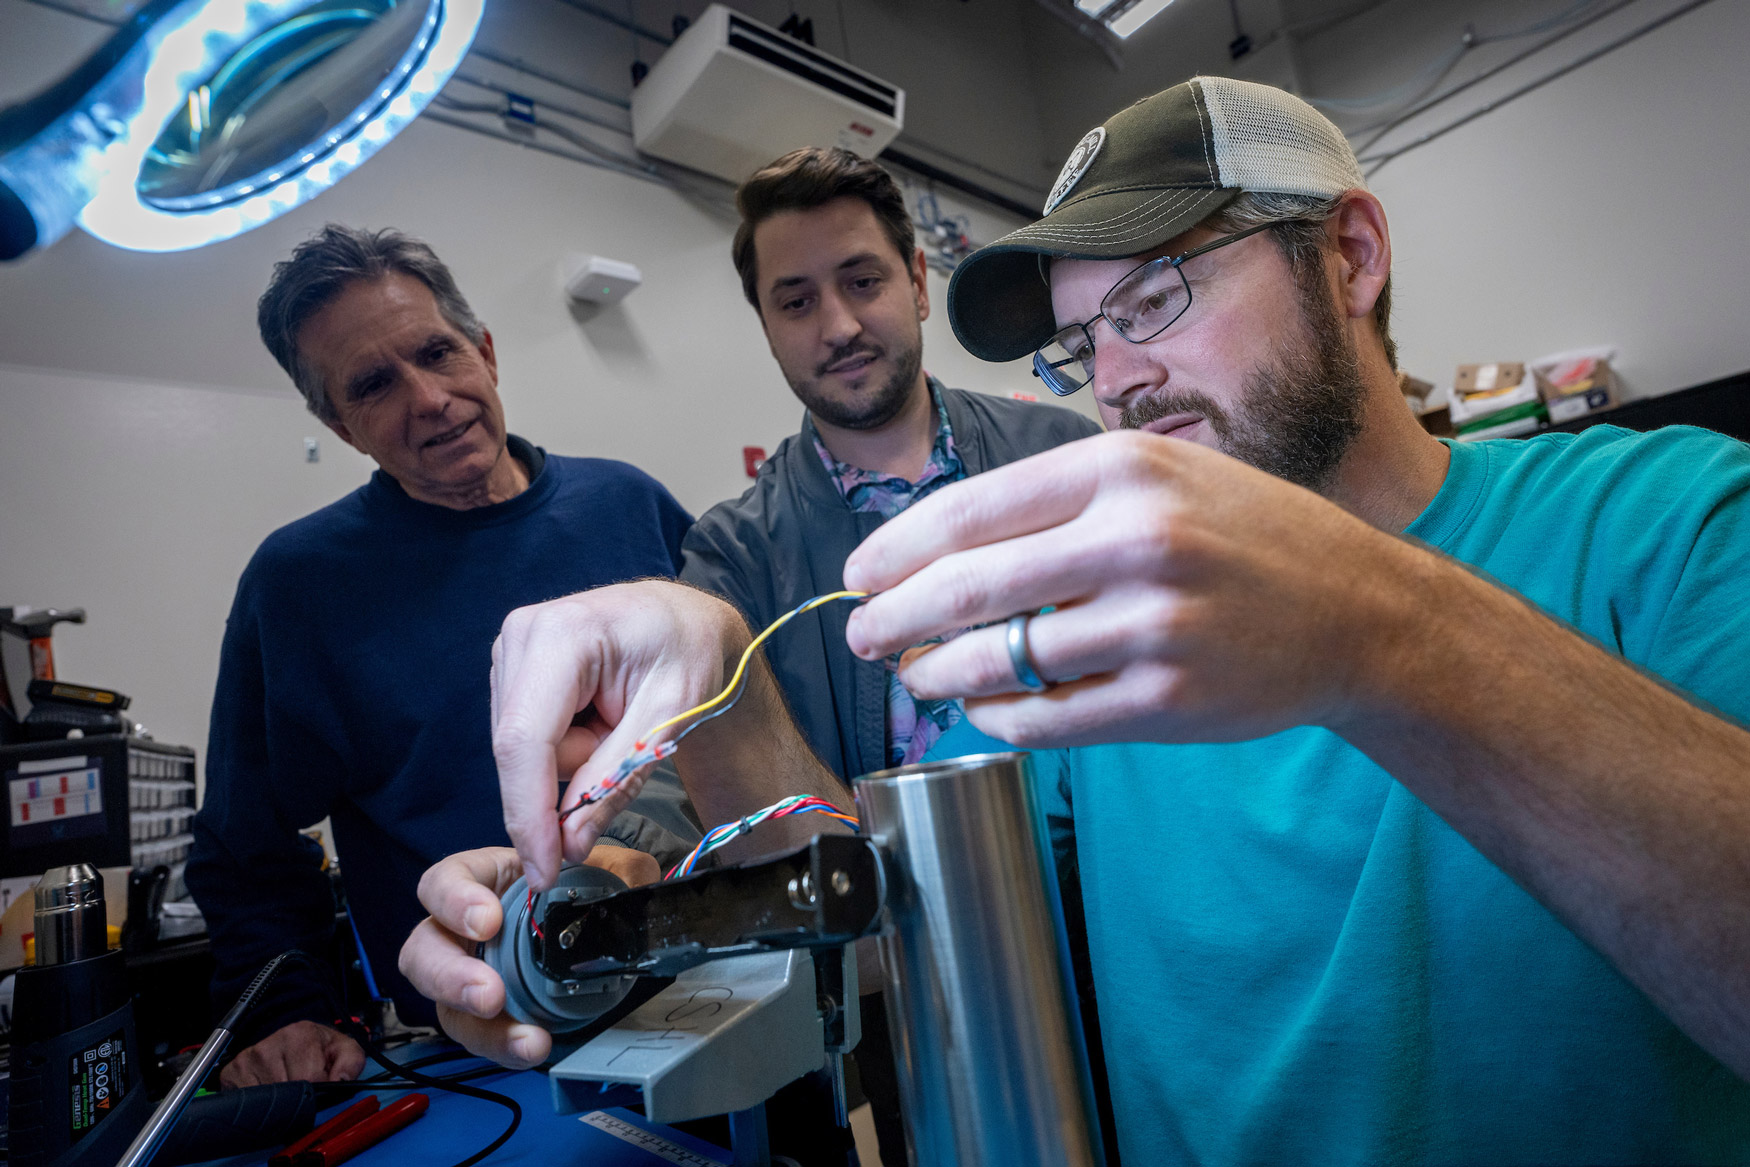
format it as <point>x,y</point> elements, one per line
<point>304,1051</point>
<point>1197,599</point>
<point>462,894</point>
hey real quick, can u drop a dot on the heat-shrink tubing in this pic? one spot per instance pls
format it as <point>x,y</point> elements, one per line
<point>351,1116</point>
<point>374,1129</point>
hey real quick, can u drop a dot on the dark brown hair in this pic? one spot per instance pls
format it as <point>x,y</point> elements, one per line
<point>808,178</point>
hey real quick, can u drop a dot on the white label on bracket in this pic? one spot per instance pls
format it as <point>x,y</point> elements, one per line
<point>646,1141</point>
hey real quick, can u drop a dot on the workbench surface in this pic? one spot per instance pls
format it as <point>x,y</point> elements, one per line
<point>456,1126</point>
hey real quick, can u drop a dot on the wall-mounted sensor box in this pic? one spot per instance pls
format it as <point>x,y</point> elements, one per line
<point>590,279</point>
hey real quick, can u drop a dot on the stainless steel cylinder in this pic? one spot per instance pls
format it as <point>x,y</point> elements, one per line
<point>70,920</point>
<point>980,996</point>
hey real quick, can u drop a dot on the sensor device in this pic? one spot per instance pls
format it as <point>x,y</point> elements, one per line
<point>591,279</point>
<point>560,1005</point>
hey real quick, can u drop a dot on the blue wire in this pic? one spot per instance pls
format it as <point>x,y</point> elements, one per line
<point>364,961</point>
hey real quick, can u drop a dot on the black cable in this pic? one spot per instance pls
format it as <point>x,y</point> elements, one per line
<point>433,113</point>
<point>453,1083</point>
<point>366,1085</point>
<point>446,1055</point>
<point>262,979</point>
<point>455,1086</point>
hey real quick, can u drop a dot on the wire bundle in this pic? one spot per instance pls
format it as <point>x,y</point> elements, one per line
<point>719,836</point>
<point>647,749</point>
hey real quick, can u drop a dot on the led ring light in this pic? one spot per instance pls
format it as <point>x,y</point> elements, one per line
<point>97,151</point>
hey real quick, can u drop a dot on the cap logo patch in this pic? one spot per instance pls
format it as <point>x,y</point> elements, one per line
<point>1080,159</point>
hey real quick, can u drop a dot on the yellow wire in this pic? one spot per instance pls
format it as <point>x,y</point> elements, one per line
<point>741,668</point>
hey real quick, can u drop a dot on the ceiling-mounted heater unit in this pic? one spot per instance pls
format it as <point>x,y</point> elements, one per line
<point>732,94</point>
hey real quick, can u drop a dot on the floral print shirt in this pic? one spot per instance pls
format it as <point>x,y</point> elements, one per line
<point>912,725</point>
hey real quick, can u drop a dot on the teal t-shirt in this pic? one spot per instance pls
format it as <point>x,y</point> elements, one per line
<point>1298,962</point>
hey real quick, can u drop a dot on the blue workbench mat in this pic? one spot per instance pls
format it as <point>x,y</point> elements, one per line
<point>456,1126</point>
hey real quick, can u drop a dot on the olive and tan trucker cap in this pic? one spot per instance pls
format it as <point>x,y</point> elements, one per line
<point>1152,172</point>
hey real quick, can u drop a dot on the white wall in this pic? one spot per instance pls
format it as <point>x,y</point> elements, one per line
<point>1605,208</point>
<point>141,502</point>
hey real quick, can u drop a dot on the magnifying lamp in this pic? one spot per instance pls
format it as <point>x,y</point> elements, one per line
<point>201,119</point>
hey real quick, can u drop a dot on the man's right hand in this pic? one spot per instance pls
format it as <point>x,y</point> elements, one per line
<point>303,1051</point>
<point>626,657</point>
<point>462,894</point>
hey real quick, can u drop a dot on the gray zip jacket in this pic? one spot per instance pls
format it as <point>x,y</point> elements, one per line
<point>787,539</point>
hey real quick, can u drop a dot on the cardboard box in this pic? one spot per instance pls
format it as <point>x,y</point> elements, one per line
<point>1580,404</point>
<point>1577,382</point>
<point>1435,418</point>
<point>1491,378</point>
<point>1480,390</point>
<point>1415,389</point>
<point>1437,421</point>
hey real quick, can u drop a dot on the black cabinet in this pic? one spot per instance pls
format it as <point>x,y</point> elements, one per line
<point>1722,405</point>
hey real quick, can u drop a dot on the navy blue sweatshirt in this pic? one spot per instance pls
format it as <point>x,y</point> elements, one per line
<point>353,684</point>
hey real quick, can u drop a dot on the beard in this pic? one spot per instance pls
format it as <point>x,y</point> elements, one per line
<point>1301,409</point>
<point>866,410</point>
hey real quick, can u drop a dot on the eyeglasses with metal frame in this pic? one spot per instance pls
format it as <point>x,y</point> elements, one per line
<point>1140,306</point>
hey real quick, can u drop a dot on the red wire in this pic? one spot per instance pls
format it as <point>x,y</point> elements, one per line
<point>535,927</point>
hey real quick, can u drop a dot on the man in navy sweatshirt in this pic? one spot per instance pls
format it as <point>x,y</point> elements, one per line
<point>353,677</point>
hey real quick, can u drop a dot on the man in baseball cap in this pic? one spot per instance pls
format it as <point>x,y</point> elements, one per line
<point>1428,844</point>
<point>1205,164</point>
<point>1404,781</point>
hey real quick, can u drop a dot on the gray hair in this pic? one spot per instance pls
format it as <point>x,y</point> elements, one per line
<point>1297,224</point>
<point>320,269</point>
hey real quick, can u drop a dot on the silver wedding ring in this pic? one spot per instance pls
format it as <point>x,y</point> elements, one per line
<point>1021,655</point>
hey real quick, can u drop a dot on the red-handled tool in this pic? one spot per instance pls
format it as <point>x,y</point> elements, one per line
<point>350,1117</point>
<point>373,1130</point>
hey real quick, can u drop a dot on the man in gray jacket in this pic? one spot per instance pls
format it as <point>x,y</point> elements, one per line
<point>829,260</point>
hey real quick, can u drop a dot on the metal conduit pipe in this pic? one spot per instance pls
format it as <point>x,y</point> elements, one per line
<point>617,21</point>
<point>522,66</point>
<point>621,128</point>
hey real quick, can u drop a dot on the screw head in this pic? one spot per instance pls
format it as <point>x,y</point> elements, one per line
<point>841,883</point>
